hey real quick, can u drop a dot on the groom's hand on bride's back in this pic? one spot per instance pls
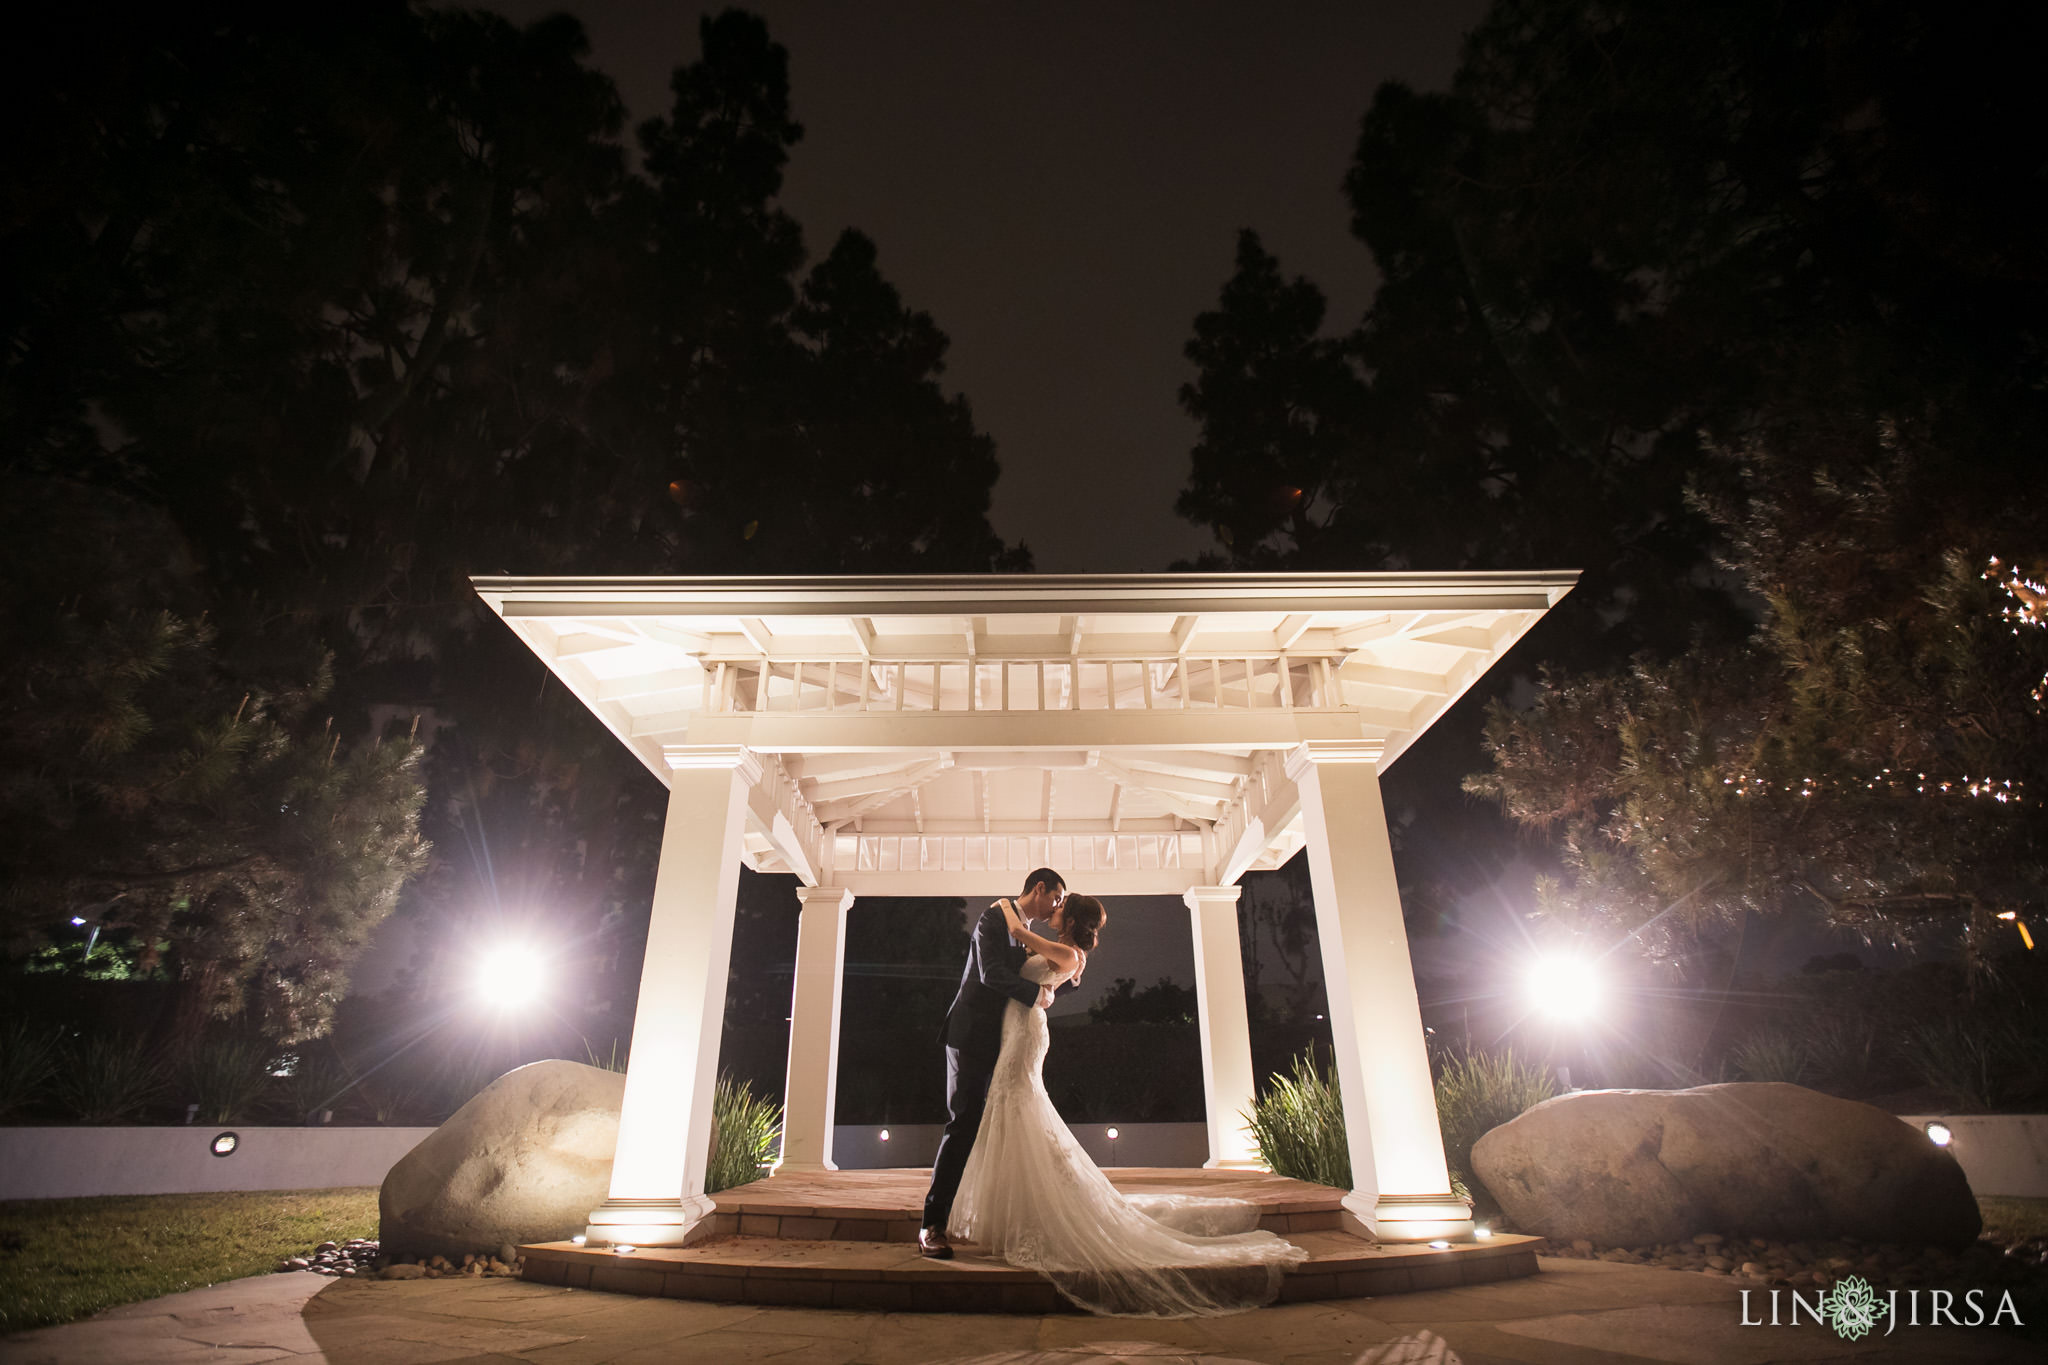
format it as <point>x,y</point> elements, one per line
<point>1045,997</point>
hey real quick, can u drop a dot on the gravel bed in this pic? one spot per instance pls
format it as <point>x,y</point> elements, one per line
<point>363,1257</point>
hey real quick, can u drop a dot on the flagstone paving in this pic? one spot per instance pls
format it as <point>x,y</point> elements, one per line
<point>1574,1313</point>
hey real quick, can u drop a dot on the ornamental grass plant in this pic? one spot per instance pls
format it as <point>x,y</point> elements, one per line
<point>28,1062</point>
<point>1298,1125</point>
<point>1476,1093</point>
<point>1846,1055</point>
<point>1772,1054</point>
<point>108,1079</point>
<point>746,1133</point>
<point>1973,1061</point>
<point>228,1078</point>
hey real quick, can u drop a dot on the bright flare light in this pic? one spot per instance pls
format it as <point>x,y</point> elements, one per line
<point>1940,1134</point>
<point>1565,988</point>
<point>511,975</point>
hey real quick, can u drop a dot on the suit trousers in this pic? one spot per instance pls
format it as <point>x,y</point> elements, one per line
<point>967,1078</point>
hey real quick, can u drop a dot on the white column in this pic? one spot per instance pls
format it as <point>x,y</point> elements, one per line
<point>657,1192</point>
<point>1227,1081</point>
<point>1400,1184</point>
<point>812,1086</point>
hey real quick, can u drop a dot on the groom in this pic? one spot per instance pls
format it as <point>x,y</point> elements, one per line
<point>973,1036</point>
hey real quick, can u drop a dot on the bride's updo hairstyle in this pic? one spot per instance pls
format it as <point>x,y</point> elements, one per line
<point>1085,918</point>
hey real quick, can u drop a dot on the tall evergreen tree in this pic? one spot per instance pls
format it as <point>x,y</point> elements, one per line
<point>1738,310</point>
<point>187,798</point>
<point>366,301</point>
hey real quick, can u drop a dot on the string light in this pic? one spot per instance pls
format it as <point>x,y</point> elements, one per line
<point>2030,607</point>
<point>2005,791</point>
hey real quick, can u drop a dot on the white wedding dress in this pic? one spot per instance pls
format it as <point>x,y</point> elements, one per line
<point>1031,1197</point>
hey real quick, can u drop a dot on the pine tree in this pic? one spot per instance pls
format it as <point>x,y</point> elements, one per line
<point>161,786</point>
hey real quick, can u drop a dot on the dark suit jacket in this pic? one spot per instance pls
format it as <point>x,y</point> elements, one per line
<point>974,1022</point>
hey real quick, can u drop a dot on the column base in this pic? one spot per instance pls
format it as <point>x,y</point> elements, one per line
<point>801,1168</point>
<point>647,1222</point>
<point>1234,1163</point>
<point>1409,1217</point>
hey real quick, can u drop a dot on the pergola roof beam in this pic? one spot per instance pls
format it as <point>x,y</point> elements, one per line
<point>1194,788</point>
<point>897,781</point>
<point>1188,762</point>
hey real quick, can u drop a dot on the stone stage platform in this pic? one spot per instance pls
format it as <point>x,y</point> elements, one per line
<point>847,1239</point>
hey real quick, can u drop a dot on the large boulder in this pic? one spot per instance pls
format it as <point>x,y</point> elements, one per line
<point>526,1160</point>
<point>1638,1167</point>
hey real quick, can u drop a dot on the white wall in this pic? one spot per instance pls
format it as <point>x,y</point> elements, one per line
<point>858,1147</point>
<point>2000,1153</point>
<point>63,1163</point>
<point>59,1163</point>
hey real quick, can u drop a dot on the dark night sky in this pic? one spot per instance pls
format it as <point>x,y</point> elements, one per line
<point>1060,186</point>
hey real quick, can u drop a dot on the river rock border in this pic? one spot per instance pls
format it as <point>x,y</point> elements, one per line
<point>362,1257</point>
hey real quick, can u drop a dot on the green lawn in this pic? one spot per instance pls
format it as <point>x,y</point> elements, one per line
<point>2014,1220</point>
<point>63,1259</point>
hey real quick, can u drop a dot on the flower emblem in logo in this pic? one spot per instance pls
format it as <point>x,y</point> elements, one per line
<point>1852,1307</point>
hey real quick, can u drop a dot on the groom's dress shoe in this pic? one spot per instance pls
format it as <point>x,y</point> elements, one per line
<point>932,1242</point>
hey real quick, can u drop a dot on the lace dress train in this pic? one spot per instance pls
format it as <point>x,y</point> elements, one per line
<point>1031,1197</point>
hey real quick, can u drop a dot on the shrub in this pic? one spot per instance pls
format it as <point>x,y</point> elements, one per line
<point>312,1081</point>
<point>226,1078</point>
<point>745,1134</point>
<point>1966,1059</point>
<point>28,1060</point>
<point>1772,1055</point>
<point>1298,1125</point>
<point>1844,1054</point>
<point>1477,1093</point>
<point>107,1079</point>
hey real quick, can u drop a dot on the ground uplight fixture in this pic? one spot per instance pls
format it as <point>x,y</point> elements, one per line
<point>1112,1135</point>
<point>1564,986</point>
<point>511,974</point>
<point>885,1135</point>
<point>578,1240</point>
<point>224,1144</point>
<point>625,1250</point>
<point>1439,1246</point>
<point>1939,1133</point>
<point>1482,1232</point>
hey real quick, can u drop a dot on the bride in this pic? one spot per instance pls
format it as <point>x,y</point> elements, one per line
<point>1031,1197</point>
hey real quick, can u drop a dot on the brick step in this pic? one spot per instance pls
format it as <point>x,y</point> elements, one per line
<point>889,1276</point>
<point>887,1205</point>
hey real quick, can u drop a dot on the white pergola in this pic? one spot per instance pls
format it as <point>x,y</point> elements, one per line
<point>930,736</point>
